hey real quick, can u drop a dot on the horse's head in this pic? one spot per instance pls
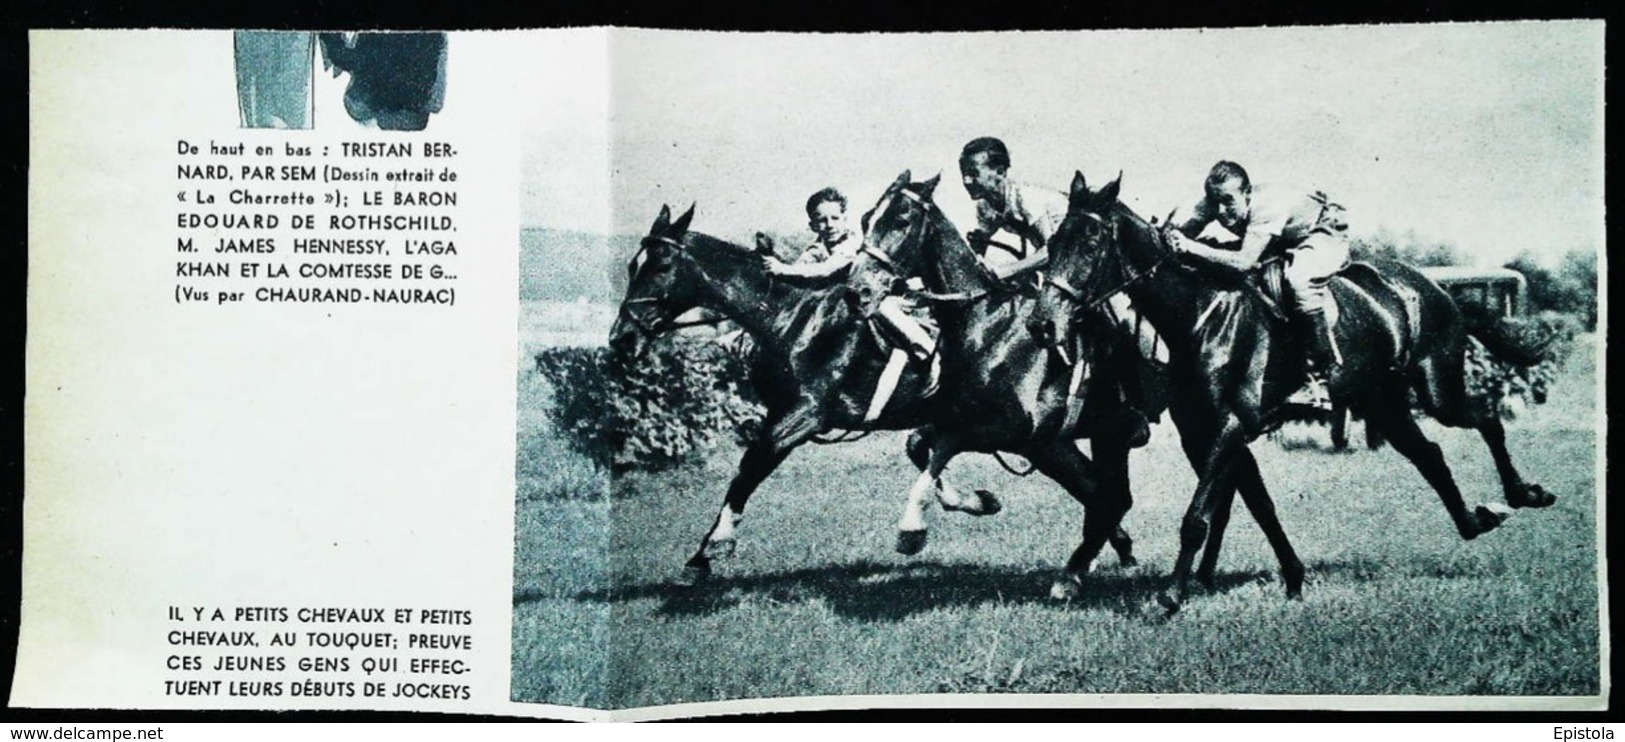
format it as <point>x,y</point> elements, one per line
<point>656,291</point>
<point>1085,265</point>
<point>893,232</point>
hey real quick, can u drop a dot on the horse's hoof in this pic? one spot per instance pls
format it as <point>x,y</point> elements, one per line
<point>1169,604</point>
<point>988,503</point>
<point>1531,496</point>
<point>720,549</point>
<point>1208,580</point>
<point>1485,519</point>
<point>1293,579</point>
<point>1127,561</point>
<point>692,575</point>
<point>910,543</point>
<point>1066,587</point>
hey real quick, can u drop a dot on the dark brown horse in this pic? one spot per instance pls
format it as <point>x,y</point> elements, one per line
<point>1234,364</point>
<point>1001,390</point>
<point>815,367</point>
<point>814,371</point>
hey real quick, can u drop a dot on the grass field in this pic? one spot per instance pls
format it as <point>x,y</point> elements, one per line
<point>816,603</point>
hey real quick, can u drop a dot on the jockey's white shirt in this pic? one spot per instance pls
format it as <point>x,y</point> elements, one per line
<point>1030,217</point>
<point>1282,216</point>
<point>845,248</point>
<point>822,260</point>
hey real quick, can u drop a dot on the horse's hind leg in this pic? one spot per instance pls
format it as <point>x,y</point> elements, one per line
<point>1391,412</point>
<point>1104,500</point>
<point>1444,394</point>
<point>1519,494</point>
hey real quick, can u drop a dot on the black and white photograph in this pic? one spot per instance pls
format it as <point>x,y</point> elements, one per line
<point>908,369</point>
<point>642,372</point>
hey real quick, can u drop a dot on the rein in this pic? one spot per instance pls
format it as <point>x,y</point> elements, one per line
<point>1131,277</point>
<point>654,328</point>
<point>890,264</point>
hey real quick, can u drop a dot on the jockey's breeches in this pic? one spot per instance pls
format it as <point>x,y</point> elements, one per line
<point>908,324</point>
<point>1312,263</point>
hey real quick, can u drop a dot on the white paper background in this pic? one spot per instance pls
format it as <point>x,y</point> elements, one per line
<point>258,454</point>
<point>307,455</point>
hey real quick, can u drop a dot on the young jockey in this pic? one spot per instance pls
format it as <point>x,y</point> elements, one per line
<point>834,244</point>
<point>1032,214</point>
<point>834,248</point>
<point>1304,227</point>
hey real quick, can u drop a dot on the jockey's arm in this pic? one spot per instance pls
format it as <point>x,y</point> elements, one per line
<point>829,271</point>
<point>1194,220</point>
<point>1239,261</point>
<point>1004,271</point>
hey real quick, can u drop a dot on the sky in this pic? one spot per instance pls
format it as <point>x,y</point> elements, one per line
<point>1489,136</point>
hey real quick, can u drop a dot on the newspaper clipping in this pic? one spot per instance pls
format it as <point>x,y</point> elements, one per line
<point>610,373</point>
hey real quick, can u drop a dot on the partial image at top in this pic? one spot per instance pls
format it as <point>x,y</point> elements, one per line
<point>396,80</point>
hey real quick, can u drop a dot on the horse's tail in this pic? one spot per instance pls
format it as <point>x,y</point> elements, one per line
<point>1505,340</point>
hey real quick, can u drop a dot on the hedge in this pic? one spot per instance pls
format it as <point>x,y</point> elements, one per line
<point>679,397</point>
<point>1508,388</point>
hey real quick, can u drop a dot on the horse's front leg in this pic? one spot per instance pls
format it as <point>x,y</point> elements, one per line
<point>979,502</point>
<point>911,528</point>
<point>1214,484</point>
<point>1103,495</point>
<point>781,435</point>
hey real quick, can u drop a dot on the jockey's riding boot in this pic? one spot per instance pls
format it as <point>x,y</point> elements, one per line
<point>1322,357</point>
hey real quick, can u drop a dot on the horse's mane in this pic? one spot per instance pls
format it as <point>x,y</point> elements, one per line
<point>951,240</point>
<point>745,264</point>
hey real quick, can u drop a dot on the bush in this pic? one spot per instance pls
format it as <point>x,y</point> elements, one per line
<point>650,412</point>
<point>1509,388</point>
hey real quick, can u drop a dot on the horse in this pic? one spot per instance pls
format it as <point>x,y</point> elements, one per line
<point>813,366</point>
<point>1235,364</point>
<point>1002,391</point>
<point>809,337</point>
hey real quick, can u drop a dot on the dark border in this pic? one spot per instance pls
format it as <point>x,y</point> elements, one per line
<point>842,16</point>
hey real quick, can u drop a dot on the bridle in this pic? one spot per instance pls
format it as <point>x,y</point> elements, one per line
<point>1079,298</point>
<point>651,328</point>
<point>916,231</point>
<point>916,235</point>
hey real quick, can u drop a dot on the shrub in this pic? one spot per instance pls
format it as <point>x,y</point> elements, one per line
<point>652,412</point>
<point>1408,248</point>
<point>1509,388</point>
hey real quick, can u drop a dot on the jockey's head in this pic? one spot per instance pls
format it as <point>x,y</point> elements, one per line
<point>1229,190</point>
<point>826,216</point>
<point>983,165</point>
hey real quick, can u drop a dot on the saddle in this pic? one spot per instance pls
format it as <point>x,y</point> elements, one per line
<point>1266,287</point>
